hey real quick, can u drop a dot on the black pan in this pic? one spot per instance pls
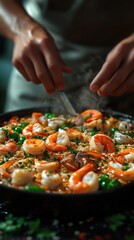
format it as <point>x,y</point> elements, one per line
<point>67,206</point>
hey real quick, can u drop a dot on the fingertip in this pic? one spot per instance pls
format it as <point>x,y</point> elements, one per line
<point>49,90</point>
<point>94,87</point>
<point>101,93</point>
<point>67,69</point>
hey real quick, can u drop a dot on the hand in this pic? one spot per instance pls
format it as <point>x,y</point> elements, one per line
<point>117,74</point>
<point>36,57</point>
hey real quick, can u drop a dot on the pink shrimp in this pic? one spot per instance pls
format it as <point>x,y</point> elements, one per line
<point>14,120</point>
<point>52,145</point>
<point>76,183</point>
<point>91,114</point>
<point>94,154</point>
<point>34,146</point>
<point>102,143</point>
<point>27,131</point>
<point>45,165</point>
<point>9,147</point>
<point>4,167</point>
<point>123,155</point>
<point>125,151</point>
<point>34,129</point>
<point>127,175</point>
<point>38,117</point>
<point>73,133</point>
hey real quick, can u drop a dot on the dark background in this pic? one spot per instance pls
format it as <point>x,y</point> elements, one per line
<point>5,69</point>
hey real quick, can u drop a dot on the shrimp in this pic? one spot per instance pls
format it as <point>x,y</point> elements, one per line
<point>7,164</point>
<point>63,138</point>
<point>3,136</point>
<point>56,122</point>
<point>70,162</point>
<point>9,147</point>
<point>45,165</point>
<point>124,155</point>
<point>94,154</point>
<point>109,123</point>
<point>4,167</point>
<point>116,165</point>
<point>57,142</point>
<point>21,177</point>
<point>125,151</point>
<point>122,138</point>
<point>35,129</point>
<point>125,126</point>
<point>80,182</point>
<point>73,133</point>
<point>38,117</point>
<point>95,123</point>
<point>127,175</point>
<point>91,114</point>
<point>34,146</point>
<point>102,143</point>
<point>86,157</point>
<point>73,162</point>
<point>14,120</point>
<point>51,180</point>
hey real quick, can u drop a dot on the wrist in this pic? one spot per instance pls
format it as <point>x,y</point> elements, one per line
<point>21,25</point>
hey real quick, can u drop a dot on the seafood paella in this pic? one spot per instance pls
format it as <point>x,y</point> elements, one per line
<point>47,152</point>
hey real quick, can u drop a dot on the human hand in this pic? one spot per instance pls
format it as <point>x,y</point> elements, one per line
<point>37,58</point>
<point>117,74</point>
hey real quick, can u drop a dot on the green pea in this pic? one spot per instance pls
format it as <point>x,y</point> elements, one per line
<point>104,177</point>
<point>67,125</point>
<point>114,184</point>
<point>104,181</point>
<point>18,129</point>
<point>126,166</point>
<point>23,124</point>
<point>21,139</point>
<point>33,188</point>
<point>14,136</point>
<point>113,130</point>
<point>93,133</point>
<point>50,115</point>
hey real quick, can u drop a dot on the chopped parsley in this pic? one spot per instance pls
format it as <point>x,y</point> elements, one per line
<point>50,115</point>
<point>23,124</point>
<point>113,130</point>
<point>73,151</point>
<point>126,166</point>
<point>67,125</point>
<point>94,131</point>
<point>45,154</point>
<point>77,140</point>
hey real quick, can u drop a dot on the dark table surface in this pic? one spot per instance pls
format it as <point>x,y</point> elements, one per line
<point>119,226</point>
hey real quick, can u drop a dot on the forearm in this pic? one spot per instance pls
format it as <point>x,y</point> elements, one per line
<point>13,18</point>
<point>35,54</point>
